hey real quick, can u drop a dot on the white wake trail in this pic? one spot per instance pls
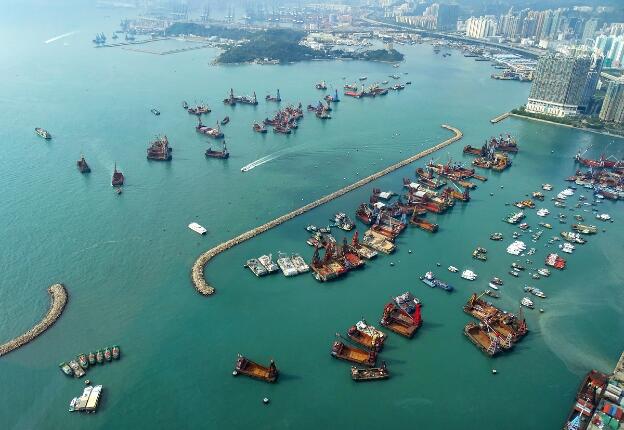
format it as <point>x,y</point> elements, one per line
<point>261,161</point>
<point>54,39</point>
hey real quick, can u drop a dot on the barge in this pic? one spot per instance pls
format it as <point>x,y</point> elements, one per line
<point>370,374</point>
<point>355,355</point>
<point>254,370</point>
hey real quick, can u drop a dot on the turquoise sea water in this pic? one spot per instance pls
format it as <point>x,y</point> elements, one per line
<point>125,260</point>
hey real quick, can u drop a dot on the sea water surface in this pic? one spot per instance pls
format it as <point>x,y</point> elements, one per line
<point>126,260</point>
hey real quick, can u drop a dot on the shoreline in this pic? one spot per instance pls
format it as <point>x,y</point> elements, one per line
<point>197,271</point>
<point>589,130</point>
<point>58,297</point>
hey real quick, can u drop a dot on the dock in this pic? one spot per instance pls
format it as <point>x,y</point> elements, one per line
<point>500,118</point>
<point>197,271</point>
<point>134,42</point>
<point>58,297</point>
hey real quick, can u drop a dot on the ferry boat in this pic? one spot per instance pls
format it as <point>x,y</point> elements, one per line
<point>118,177</point>
<point>268,263</point>
<point>197,228</point>
<point>367,336</point>
<point>66,369</point>
<point>116,352</point>
<point>299,263</point>
<point>430,279</point>
<point>252,369</point>
<point>372,374</point>
<point>223,154</point>
<point>43,133</point>
<point>256,267</point>
<point>83,167</point>
<point>286,265</point>
<point>355,355</point>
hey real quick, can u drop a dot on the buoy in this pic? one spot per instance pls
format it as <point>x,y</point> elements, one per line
<point>491,194</point>
<point>266,400</point>
<point>392,263</point>
<point>494,371</point>
<point>87,381</point>
<point>502,186</point>
<point>438,264</point>
<point>235,373</point>
<point>541,310</point>
<point>409,251</point>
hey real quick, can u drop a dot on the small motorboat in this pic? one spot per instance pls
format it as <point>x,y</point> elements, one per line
<point>528,303</point>
<point>453,269</point>
<point>225,120</point>
<point>493,286</point>
<point>155,111</point>
<point>469,275</point>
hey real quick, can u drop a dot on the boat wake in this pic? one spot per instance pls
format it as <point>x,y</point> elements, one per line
<point>54,39</point>
<point>261,161</point>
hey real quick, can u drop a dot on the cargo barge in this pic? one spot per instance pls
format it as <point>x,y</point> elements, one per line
<point>254,370</point>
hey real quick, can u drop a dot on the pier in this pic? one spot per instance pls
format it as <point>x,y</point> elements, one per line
<point>197,272</point>
<point>58,296</point>
<point>500,118</point>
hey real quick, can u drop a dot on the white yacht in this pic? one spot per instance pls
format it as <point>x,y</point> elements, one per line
<point>469,275</point>
<point>526,302</point>
<point>453,269</point>
<point>542,212</point>
<point>197,228</point>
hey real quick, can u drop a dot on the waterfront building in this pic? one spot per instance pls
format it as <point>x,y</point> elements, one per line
<point>593,77</point>
<point>482,27</point>
<point>559,83</point>
<point>613,104</point>
<point>447,17</point>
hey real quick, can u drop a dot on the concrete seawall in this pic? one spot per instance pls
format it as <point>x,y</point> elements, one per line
<point>500,117</point>
<point>197,272</point>
<point>58,296</point>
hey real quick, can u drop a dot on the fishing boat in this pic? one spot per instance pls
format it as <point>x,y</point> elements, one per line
<point>83,361</point>
<point>355,355</point>
<point>493,285</point>
<point>75,367</point>
<point>198,110</point>
<point>108,354</point>
<point>116,352</point>
<point>43,133</point>
<point>83,167</point>
<point>299,263</point>
<point>483,337</point>
<point>258,128</point>
<point>585,229</point>
<point>185,105</point>
<point>286,265</point>
<point>254,370</point>
<point>453,269</point>
<point>408,304</point>
<point>92,358</point>
<point>573,237</point>
<point>497,281</point>
<point>367,336</point>
<point>256,267</point>
<point>99,356</point>
<point>370,374</point>
<point>225,120</point>
<point>496,236</point>
<point>517,266</point>
<point>430,280</point>
<point>343,222</point>
<point>118,177</point>
<point>66,369</point>
<point>544,272</point>
<point>223,154</point>
<point>268,263</point>
<point>555,261</point>
<point>321,86</point>
<point>535,291</point>
<point>492,294</point>
<point>155,111</point>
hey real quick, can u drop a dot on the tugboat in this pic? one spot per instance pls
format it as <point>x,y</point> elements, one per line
<point>43,133</point>
<point>218,154</point>
<point>118,177</point>
<point>83,167</point>
<point>373,374</point>
<point>430,279</point>
<point>355,355</point>
<point>254,370</point>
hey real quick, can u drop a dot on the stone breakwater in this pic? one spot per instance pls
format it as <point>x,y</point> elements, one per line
<point>58,296</point>
<point>197,272</point>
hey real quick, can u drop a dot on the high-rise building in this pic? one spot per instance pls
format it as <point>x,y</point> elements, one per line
<point>482,27</point>
<point>613,105</point>
<point>593,76</point>
<point>589,30</point>
<point>544,20</point>
<point>558,84</point>
<point>447,17</point>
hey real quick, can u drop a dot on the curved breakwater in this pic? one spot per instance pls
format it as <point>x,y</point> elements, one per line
<point>197,272</point>
<point>58,296</point>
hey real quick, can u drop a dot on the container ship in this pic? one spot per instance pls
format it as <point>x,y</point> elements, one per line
<point>159,149</point>
<point>400,321</point>
<point>223,154</point>
<point>254,370</point>
<point>118,177</point>
<point>83,167</point>
<point>355,355</point>
<point>587,399</point>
